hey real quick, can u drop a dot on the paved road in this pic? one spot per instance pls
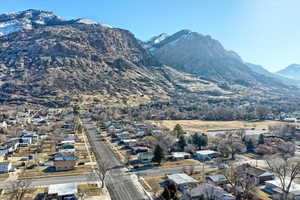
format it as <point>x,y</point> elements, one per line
<point>120,184</point>
<point>57,180</point>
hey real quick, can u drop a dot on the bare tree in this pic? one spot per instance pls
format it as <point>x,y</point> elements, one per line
<point>101,170</point>
<point>286,170</point>
<point>240,178</point>
<point>231,145</point>
<point>82,193</point>
<point>232,178</point>
<point>241,133</point>
<point>19,188</point>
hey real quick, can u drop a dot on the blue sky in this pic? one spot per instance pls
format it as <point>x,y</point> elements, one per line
<point>265,32</point>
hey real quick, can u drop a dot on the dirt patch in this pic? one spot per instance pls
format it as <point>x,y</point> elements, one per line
<point>203,126</point>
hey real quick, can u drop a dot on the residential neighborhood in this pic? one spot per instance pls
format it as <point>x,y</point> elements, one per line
<point>230,165</point>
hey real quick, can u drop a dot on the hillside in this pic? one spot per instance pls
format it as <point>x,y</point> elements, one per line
<point>292,72</point>
<point>78,60</point>
<point>260,70</point>
<point>47,60</point>
<point>205,57</point>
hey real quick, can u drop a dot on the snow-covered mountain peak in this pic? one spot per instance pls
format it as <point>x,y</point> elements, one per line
<point>12,22</point>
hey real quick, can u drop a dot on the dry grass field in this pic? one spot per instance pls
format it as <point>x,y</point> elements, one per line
<point>202,126</point>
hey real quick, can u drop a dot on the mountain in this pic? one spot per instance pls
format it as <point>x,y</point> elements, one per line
<point>51,61</point>
<point>205,57</point>
<point>47,60</point>
<point>261,70</point>
<point>292,72</point>
<point>30,19</point>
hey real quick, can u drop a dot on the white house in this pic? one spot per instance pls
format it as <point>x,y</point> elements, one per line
<point>180,155</point>
<point>274,187</point>
<point>182,180</point>
<point>5,167</point>
<point>207,191</point>
<point>129,142</point>
<point>63,191</point>
<point>3,125</point>
<point>145,157</point>
<point>206,154</point>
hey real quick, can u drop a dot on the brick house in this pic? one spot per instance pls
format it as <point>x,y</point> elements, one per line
<point>64,161</point>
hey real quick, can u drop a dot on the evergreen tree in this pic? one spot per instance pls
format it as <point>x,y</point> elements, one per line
<point>178,130</point>
<point>261,139</point>
<point>170,192</point>
<point>158,154</point>
<point>199,140</point>
<point>182,142</point>
<point>249,145</point>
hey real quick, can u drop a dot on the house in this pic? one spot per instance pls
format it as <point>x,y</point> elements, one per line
<point>5,167</point>
<point>62,192</point>
<point>123,136</point>
<point>64,161</point>
<point>182,180</point>
<point>139,149</point>
<point>129,142</point>
<point>28,137</point>
<point>145,157</point>
<point>66,148</point>
<point>207,191</point>
<point>25,141</point>
<point>206,154</point>
<point>273,187</point>
<point>180,155</point>
<point>13,143</point>
<point>68,140</point>
<point>3,152</point>
<point>140,133</point>
<point>218,179</point>
<point>3,125</point>
<point>259,176</point>
<point>290,119</point>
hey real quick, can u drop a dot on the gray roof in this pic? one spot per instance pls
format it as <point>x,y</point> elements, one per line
<point>181,178</point>
<point>63,189</point>
<point>217,178</point>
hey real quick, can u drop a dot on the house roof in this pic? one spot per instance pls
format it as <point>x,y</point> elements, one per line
<point>146,155</point>
<point>181,178</point>
<point>64,156</point>
<point>217,178</point>
<point>206,152</point>
<point>211,190</point>
<point>4,164</point>
<point>254,171</point>
<point>180,154</point>
<point>294,186</point>
<point>63,189</point>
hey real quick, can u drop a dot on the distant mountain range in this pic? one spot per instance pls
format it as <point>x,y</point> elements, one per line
<point>48,60</point>
<point>285,79</point>
<point>291,72</point>
<point>205,57</point>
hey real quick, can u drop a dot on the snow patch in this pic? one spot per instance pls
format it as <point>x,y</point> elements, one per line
<point>106,25</point>
<point>10,27</point>
<point>187,36</point>
<point>160,38</point>
<point>85,21</point>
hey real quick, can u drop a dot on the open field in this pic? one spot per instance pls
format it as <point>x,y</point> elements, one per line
<point>154,184</point>
<point>203,126</point>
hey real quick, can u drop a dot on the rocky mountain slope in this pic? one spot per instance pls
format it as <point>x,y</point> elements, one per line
<point>292,72</point>
<point>261,70</point>
<point>61,61</point>
<point>205,57</point>
<point>47,60</point>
